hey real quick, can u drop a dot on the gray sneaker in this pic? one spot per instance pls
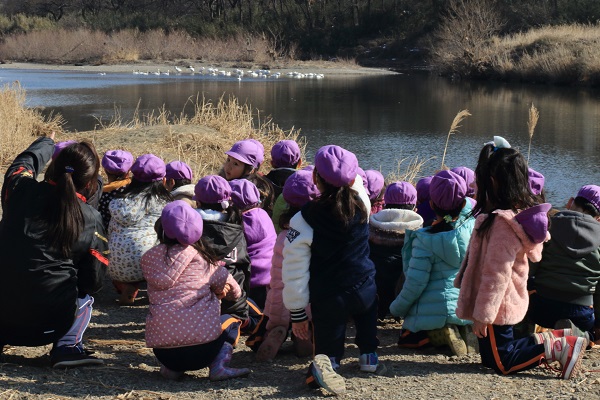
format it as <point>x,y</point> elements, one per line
<point>326,376</point>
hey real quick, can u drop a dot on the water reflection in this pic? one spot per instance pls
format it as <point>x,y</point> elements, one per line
<point>380,118</point>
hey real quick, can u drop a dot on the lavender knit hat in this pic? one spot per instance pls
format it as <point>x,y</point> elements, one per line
<point>117,162</point>
<point>447,190</point>
<point>58,147</point>
<point>400,193</point>
<point>337,166</point>
<point>536,181</point>
<point>469,176</point>
<point>244,193</point>
<point>181,222</point>
<point>363,176</point>
<point>534,221</point>
<point>212,189</point>
<point>592,194</point>
<point>178,170</point>
<point>248,151</point>
<point>148,168</point>
<point>285,154</point>
<point>423,189</point>
<point>375,183</point>
<point>299,189</point>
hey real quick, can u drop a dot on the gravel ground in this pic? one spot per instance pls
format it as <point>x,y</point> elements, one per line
<point>131,371</point>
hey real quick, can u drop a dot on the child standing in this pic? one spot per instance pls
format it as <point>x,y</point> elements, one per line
<point>184,287</point>
<point>326,262</point>
<point>298,190</point>
<point>116,164</point>
<point>131,230</point>
<point>566,279</point>
<point>493,279</point>
<point>386,238</point>
<point>431,257</point>
<point>260,237</point>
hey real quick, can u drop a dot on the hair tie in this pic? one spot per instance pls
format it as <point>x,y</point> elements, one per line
<point>448,218</point>
<point>224,204</point>
<point>69,170</point>
<point>499,143</point>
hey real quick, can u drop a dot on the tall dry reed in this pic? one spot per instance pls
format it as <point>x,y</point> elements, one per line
<point>407,169</point>
<point>532,121</point>
<point>20,125</point>
<point>454,129</point>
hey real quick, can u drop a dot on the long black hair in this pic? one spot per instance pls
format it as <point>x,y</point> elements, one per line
<point>203,248</point>
<point>343,201</point>
<point>502,183</point>
<point>147,190</point>
<point>74,170</point>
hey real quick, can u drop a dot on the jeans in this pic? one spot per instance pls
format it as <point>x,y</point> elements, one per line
<point>330,317</point>
<point>545,312</point>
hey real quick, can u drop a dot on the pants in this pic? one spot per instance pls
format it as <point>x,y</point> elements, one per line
<point>258,295</point>
<point>330,317</point>
<point>190,358</point>
<point>546,312</point>
<point>82,319</point>
<point>507,355</point>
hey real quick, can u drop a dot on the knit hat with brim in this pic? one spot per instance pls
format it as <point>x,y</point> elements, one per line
<point>181,222</point>
<point>337,166</point>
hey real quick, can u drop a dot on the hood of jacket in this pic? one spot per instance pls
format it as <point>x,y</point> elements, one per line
<point>222,237</point>
<point>449,246</point>
<point>129,211</point>
<point>396,220</point>
<point>533,250</point>
<point>576,233</point>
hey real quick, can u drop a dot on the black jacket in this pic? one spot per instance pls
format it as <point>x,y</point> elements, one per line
<point>38,297</point>
<point>228,241</point>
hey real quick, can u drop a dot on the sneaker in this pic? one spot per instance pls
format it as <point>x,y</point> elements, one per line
<point>466,332</point>
<point>568,351</point>
<point>368,362</point>
<point>270,346</point>
<point>326,376</point>
<point>413,340</point>
<point>72,356</point>
<point>558,333</point>
<point>450,336</point>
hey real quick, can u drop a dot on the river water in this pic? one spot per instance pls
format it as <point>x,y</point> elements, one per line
<point>380,118</point>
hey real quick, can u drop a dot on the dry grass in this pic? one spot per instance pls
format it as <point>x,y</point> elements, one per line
<point>19,124</point>
<point>199,135</point>
<point>532,121</point>
<point>82,45</point>
<point>454,129</point>
<point>407,169</point>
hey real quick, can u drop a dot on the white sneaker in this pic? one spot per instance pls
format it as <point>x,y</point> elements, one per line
<point>326,376</point>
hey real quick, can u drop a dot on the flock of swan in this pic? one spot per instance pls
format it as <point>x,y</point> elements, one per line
<point>237,73</point>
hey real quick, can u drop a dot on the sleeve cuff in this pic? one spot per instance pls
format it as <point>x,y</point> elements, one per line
<point>298,315</point>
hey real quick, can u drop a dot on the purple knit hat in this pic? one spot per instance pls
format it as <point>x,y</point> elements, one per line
<point>244,193</point>
<point>117,162</point>
<point>375,183</point>
<point>592,194</point>
<point>447,190</point>
<point>285,154</point>
<point>248,151</point>
<point>58,147</point>
<point>400,193</point>
<point>337,166</point>
<point>423,189</point>
<point>148,168</point>
<point>299,189</point>
<point>178,170</point>
<point>536,181</point>
<point>469,176</point>
<point>181,222</point>
<point>212,189</point>
<point>363,176</point>
<point>534,221</point>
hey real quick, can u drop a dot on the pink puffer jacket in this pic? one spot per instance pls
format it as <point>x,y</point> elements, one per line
<point>184,309</point>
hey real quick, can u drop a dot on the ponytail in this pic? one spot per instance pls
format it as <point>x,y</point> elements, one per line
<point>343,201</point>
<point>75,168</point>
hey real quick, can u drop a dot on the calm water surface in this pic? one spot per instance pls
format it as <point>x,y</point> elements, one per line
<point>381,118</point>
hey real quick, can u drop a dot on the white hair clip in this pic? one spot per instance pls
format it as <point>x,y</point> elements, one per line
<point>225,204</point>
<point>499,143</point>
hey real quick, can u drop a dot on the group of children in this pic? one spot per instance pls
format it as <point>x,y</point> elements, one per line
<point>461,258</point>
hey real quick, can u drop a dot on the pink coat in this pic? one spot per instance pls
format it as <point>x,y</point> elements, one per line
<point>274,308</point>
<point>184,309</point>
<point>493,275</point>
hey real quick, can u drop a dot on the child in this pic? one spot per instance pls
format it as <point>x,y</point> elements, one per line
<point>260,237</point>
<point>469,176</point>
<point>386,238</point>
<point>285,159</point>
<point>376,189</point>
<point>53,251</point>
<point>184,287</point>
<point>131,230</point>
<point>178,181</point>
<point>243,162</point>
<point>116,164</point>
<point>431,257</point>
<point>224,233</point>
<point>566,279</point>
<point>493,279</point>
<point>298,190</point>
<point>326,262</point>
<point>423,206</point>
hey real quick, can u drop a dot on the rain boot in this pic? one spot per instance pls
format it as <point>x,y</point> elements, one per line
<point>219,368</point>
